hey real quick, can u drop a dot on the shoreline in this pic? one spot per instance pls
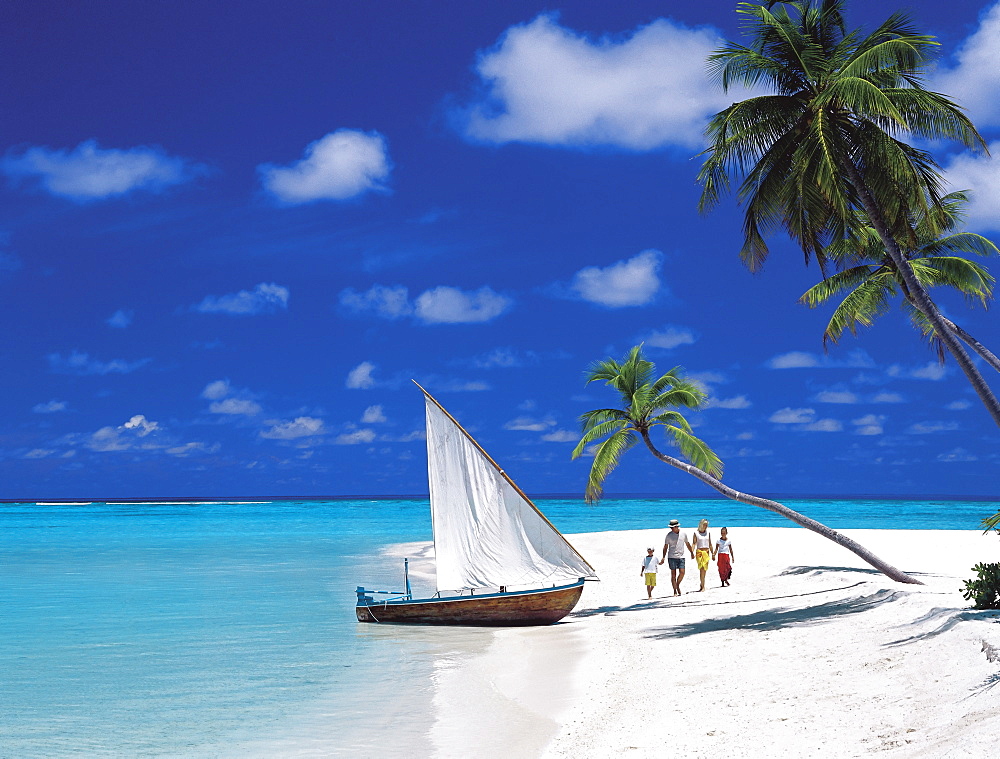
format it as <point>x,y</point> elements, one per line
<point>810,651</point>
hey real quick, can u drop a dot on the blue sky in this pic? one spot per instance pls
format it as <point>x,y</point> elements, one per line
<point>231,233</point>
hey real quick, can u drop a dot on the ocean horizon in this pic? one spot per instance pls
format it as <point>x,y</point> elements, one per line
<point>203,627</point>
<point>614,497</point>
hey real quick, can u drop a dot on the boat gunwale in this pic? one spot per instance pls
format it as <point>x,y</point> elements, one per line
<point>453,599</point>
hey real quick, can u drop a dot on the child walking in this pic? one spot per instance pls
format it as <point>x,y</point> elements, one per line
<point>649,565</point>
<point>724,556</point>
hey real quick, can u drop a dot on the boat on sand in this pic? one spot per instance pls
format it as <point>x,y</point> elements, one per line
<point>499,561</point>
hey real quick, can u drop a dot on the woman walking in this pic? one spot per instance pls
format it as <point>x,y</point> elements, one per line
<point>703,549</point>
<point>724,556</point>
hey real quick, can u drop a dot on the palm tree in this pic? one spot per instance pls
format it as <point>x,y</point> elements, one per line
<point>648,401</point>
<point>868,280</point>
<point>826,145</point>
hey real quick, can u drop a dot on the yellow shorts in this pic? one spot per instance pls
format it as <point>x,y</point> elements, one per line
<point>651,579</point>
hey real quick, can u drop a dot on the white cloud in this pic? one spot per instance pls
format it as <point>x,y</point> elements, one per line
<point>529,424</point>
<point>373,415</point>
<point>302,426</point>
<point>746,453</point>
<point>141,425</point>
<point>793,416</point>
<point>120,319</point>
<point>439,305</point>
<point>669,337</point>
<point>974,82</point>
<point>186,449</point>
<point>836,396</point>
<point>737,402</point>
<point>706,380</point>
<point>980,174</point>
<point>870,424</point>
<point>561,436</point>
<point>745,436</point>
<point>503,358</point>
<point>929,428</point>
<point>360,377</point>
<point>385,302</point>
<point>823,425</point>
<point>449,305</point>
<point>887,397</point>
<point>89,172</point>
<point>339,166</point>
<point>50,407</point>
<point>794,360</point>
<point>544,83</point>
<point>856,359</point>
<point>39,453</point>
<point>266,297</point>
<point>124,437</point>
<point>82,363</point>
<point>215,390</point>
<point>404,438</point>
<point>462,386</point>
<point>355,438</point>
<point>633,282</point>
<point>235,406</point>
<point>961,405</point>
<point>957,455</point>
<point>933,371</point>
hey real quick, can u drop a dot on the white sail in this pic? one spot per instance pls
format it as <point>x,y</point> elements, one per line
<point>486,534</point>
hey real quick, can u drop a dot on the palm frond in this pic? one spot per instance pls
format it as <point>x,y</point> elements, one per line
<point>696,451</point>
<point>831,286</point>
<point>962,242</point>
<point>595,432</point>
<point>606,459</point>
<point>967,277</point>
<point>862,306</point>
<point>670,418</point>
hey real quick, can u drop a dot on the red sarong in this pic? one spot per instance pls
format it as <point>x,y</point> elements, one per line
<point>725,567</point>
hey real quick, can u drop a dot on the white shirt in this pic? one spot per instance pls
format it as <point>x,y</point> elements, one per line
<point>722,545</point>
<point>675,543</point>
<point>649,564</point>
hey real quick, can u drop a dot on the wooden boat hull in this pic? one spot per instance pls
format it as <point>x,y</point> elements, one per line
<point>516,609</point>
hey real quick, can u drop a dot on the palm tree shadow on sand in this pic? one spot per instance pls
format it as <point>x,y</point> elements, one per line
<point>776,619</point>
<point>948,619</point>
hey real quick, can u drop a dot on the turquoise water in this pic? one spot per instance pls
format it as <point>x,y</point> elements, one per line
<point>227,629</point>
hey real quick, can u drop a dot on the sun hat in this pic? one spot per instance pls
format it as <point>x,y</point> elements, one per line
<point>674,523</point>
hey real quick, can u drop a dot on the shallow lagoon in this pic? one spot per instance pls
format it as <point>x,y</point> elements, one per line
<point>227,629</point>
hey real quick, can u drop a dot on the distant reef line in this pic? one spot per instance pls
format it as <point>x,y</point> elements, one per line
<point>260,499</point>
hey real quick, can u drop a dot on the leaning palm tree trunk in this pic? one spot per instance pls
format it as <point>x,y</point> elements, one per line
<point>921,299</point>
<point>799,519</point>
<point>985,353</point>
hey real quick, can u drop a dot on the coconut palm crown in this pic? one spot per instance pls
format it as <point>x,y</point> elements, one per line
<point>646,402</point>
<point>825,144</point>
<point>839,99</point>
<point>868,280</point>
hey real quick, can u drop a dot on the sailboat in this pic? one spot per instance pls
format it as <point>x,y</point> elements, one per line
<point>499,561</point>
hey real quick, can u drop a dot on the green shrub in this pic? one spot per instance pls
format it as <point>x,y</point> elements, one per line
<point>984,592</point>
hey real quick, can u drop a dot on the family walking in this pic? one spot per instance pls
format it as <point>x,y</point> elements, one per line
<point>701,549</point>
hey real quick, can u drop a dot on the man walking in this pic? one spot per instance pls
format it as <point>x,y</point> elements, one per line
<point>673,551</point>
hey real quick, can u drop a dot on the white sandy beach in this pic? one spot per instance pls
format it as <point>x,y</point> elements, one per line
<point>810,652</point>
